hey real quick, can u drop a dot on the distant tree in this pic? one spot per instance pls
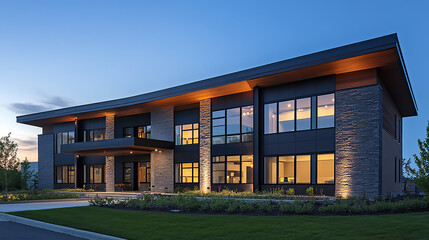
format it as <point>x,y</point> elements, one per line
<point>27,175</point>
<point>421,173</point>
<point>8,159</point>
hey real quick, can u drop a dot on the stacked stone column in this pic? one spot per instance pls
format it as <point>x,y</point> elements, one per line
<point>205,145</point>
<point>110,160</point>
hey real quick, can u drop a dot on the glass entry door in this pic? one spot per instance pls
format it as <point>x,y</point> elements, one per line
<point>144,176</point>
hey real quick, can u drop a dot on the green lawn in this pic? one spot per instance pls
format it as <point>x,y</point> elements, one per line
<point>150,225</point>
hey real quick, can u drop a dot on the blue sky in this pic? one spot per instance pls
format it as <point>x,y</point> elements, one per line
<point>62,53</point>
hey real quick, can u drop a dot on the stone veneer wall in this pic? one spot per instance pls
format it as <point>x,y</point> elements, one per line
<point>205,145</point>
<point>46,161</point>
<point>162,161</point>
<point>110,160</point>
<point>358,128</point>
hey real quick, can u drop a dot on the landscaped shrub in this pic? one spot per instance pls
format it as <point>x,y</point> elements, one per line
<point>35,195</point>
<point>290,191</point>
<point>219,204</point>
<point>186,203</point>
<point>310,191</point>
<point>266,206</point>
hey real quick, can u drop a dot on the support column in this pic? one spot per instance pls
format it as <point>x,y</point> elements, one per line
<point>358,128</point>
<point>110,160</point>
<point>257,127</point>
<point>162,160</point>
<point>205,145</point>
<point>46,161</point>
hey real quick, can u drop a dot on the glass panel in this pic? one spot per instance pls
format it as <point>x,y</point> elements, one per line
<point>59,172</point>
<point>148,131</point>
<point>286,170</point>
<point>218,114</point>
<point>186,172</point>
<point>270,118</point>
<point>65,174</point>
<point>219,173</point>
<point>71,137</point>
<point>247,119</point>
<point>127,172</point>
<point>71,174</point>
<point>287,116</point>
<point>196,137</point>
<point>187,137</point>
<point>128,132</point>
<point>178,135</point>
<point>218,131</point>
<point>303,169</point>
<point>91,174</point>
<point>196,172</point>
<point>218,140</point>
<point>98,173</point>
<point>270,167</point>
<point>98,134</point>
<point>248,137</point>
<point>233,139</point>
<point>219,159</point>
<point>65,139</point>
<point>233,121</point>
<point>219,122</point>
<point>247,169</point>
<point>325,168</point>
<point>195,125</point>
<point>233,169</point>
<point>59,142</point>
<point>303,114</point>
<point>325,111</point>
<point>187,127</point>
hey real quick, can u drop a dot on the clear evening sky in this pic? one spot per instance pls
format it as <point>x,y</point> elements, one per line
<point>61,53</point>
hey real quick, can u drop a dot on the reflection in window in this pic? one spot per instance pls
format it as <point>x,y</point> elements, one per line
<point>233,121</point>
<point>187,134</point>
<point>128,132</point>
<point>64,138</point>
<point>233,169</point>
<point>303,114</point>
<point>325,168</point>
<point>287,170</point>
<point>218,169</point>
<point>186,173</point>
<point>325,111</point>
<point>247,119</point>
<point>303,169</point>
<point>127,172</point>
<point>97,174</point>
<point>218,127</point>
<point>270,167</point>
<point>96,134</point>
<point>287,116</point>
<point>232,125</point>
<point>270,118</point>
<point>144,131</point>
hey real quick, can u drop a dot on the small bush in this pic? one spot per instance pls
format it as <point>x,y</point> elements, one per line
<point>266,206</point>
<point>310,191</point>
<point>290,191</point>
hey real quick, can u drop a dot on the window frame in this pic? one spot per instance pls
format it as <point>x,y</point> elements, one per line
<point>179,127</point>
<point>70,172</point>
<point>60,136</point>
<point>180,177</point>
<point>225,170</point>
<point>91,168</point>
<point>225,135</point>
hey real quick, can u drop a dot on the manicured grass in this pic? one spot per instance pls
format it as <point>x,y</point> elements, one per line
<point>153,225</point>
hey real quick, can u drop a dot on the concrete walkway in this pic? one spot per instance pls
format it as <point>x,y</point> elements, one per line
<point>17,207</point>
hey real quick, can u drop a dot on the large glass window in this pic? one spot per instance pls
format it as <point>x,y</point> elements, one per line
<point>325,111</point>
<point>96,134</point>
<point>247,169</point>
<point>233,169</point>
<point>270,167</point>
<point>128,132</point>
<point>144,131</point>
<point>218,169</point>
<point>287,116</point>
<point>286,170</point>
<point>325,168</point>
<point>64,138</point>
<point>303,169</point>
<point>65,174</point>
<point>97,173</point>
<point>303,114</point>
<point>187,134</point>
<point>187,172</point>
<point>232,125</point>
<point>270,118</point>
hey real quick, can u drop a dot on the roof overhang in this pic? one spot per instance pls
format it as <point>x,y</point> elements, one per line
<point>117,147</point>
<point>382,53</point>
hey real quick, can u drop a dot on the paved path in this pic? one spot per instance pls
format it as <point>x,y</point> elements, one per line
<point>13,231</point>
<point>16,207</point>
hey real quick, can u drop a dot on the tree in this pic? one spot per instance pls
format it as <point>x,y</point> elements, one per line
<point>8,159</point>
<point>421,173</point>
<point>27,175</point>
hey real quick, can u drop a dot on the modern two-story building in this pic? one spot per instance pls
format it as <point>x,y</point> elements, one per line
<point>331,120</point>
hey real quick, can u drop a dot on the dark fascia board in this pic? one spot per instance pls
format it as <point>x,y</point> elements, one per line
<point>116,143</point>
<point>343,52</point>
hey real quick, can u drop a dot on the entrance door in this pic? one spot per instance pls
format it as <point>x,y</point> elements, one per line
<point>144,176</point>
